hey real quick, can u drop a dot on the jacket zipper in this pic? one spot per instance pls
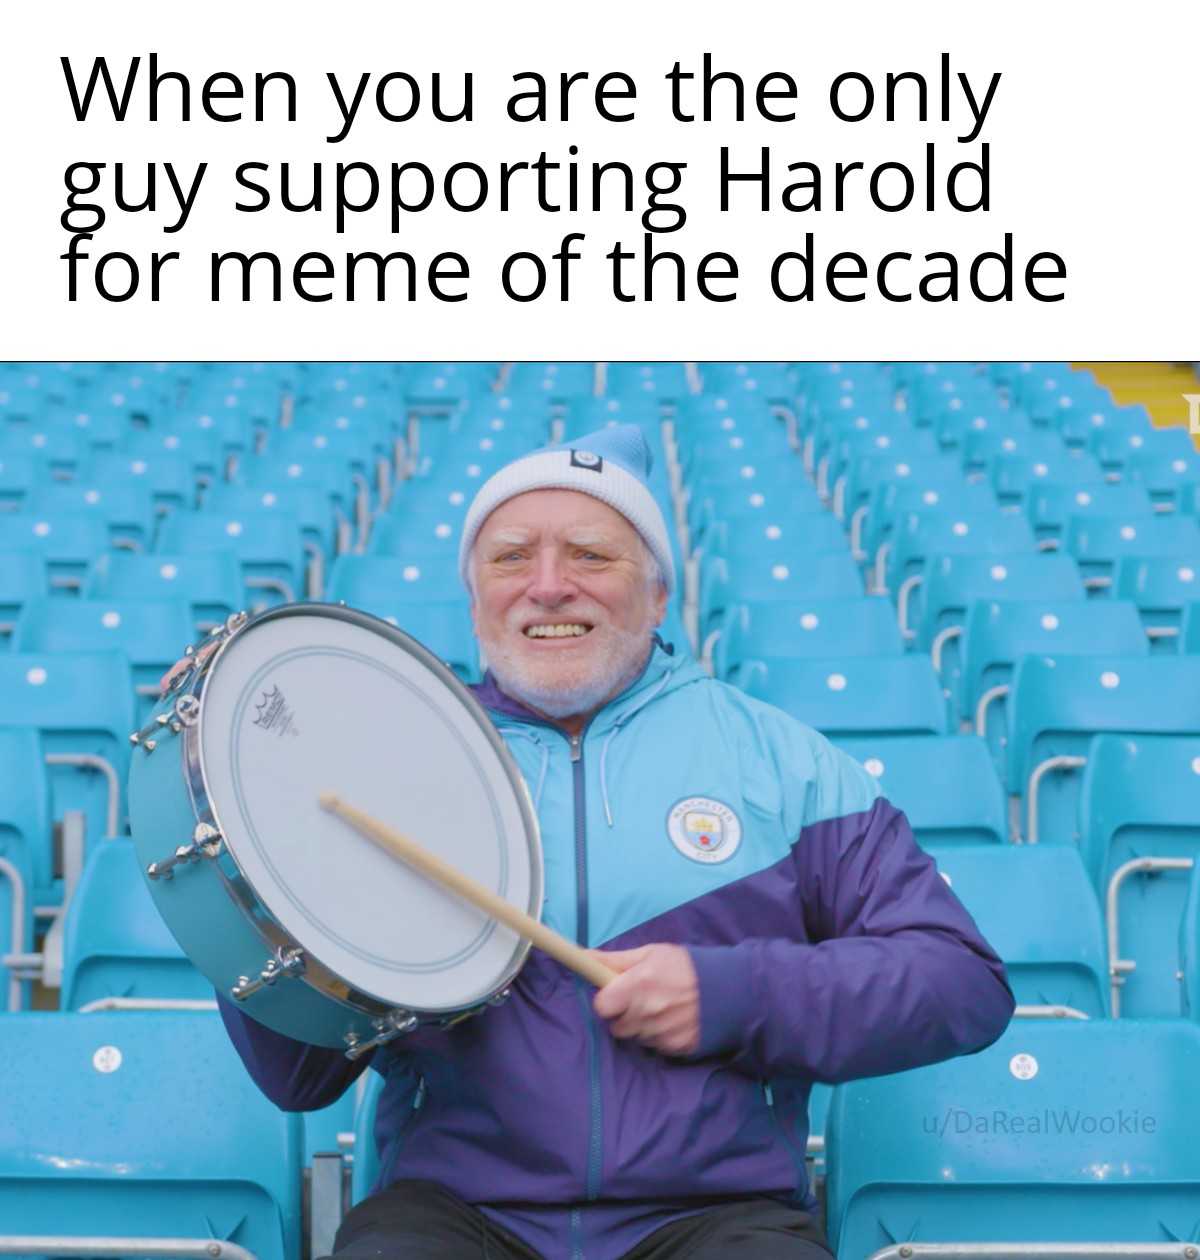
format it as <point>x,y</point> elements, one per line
<point>592,1185</point>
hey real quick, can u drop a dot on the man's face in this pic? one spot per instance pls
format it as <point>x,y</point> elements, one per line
<point>563,604</point>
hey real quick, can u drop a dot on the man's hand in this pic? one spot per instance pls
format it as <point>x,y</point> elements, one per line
<point>655,999</point>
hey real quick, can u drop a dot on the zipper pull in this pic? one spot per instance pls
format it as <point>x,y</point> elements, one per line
<point>419,1099</point>
<point>768,1093</point>
<point>576,747</point>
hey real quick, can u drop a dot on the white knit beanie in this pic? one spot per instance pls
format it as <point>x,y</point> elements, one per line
<point>612,465</point>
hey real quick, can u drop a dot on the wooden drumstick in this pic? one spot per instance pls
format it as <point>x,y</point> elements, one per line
<point>546,939</point>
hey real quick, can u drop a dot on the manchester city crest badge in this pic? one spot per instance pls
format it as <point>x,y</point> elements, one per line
<point>704,830</point>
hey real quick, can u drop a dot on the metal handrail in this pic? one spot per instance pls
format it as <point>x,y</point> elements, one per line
<point>89,761</point>
<point>1119,967</point>
<point>985,701</point>
<point>146,1004</point>
<point>948,635</point>
<point>96,1245</point>
<point>1038,1251</point>
<point>17,931</point>
<point>1049,1012</point>
<point>907,587</point>
<point>271,584</point>
<point>1064,762</point>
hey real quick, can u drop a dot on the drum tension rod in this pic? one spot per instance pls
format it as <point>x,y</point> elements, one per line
<point>286,962</point>
<point>205,842</point>
<point>388,1027</point>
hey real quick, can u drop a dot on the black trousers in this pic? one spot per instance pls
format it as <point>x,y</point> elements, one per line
<point>419,1220</point>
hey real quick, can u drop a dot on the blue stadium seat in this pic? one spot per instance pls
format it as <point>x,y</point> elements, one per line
<point>169,475</point>
<point>999,632</point>
<point>1189,949</point>
<point>22,576</point>
<point>152,634</point>
<point>210,581</point>
<point>1128,431</point>
<point>388,582</point>
<point>946,785</point>
<point>826,575</point>
<point>127,509</point>
<point>19,476</point>
<point>1171,477</point>
<point>817,627</point>
<point>66,543</point>
<point>1018,475</point>
<point>1037,909</point>
<point>146,1125</point>
<point>269,546</point>
<point>853,696</point>
<point>115,943</point>
<point>1052,504</point>
<point>1062,1131</point>
<point>26,856</point>
<point>1059,703</point>
<point>917,536</point>
<point>82,705</point>
<point>1097,543</point>
<point>892,500</point>
<point>1161,587</point>
<point>1139,801</point>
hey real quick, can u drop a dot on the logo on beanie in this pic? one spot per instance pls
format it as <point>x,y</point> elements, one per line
<point>587,459</point>
<point>704,830</point>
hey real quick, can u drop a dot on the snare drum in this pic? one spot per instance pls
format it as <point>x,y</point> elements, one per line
<point>308,926</point>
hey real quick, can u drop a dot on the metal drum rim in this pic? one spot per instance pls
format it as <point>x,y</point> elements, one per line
<point>272,930</point>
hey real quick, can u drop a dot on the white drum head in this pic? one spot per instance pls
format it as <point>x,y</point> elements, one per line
<point>315,701</point>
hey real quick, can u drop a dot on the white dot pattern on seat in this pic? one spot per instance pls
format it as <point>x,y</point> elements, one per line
<point>836,682</point>
<point>233,528</point>
<point>35,676</point>
<point>473,470</point>
<point>269,499</point>
<point>809,621</point>
<point>411,573</point>
<point>456,497</point>
<point>874,767</point>
<point>773,531</point>
<point>998,573</point>
<point>42,529</point>
<point>1049,621</point>
<point>1187,574</point>
<point>138,468</point>
<point>442,530</point>
<point>1110,679</point>
<point>757,500</point>
<point>1179,465</point>
<point>110,620</point>
<point>168,572</point>
<point>960,529</point>
<point>1083,498</point>
<point>205,422</point>
<point>295,470</point>
<point>1040,470</point>
<point>171,441</point>
<point>342,422</point>
<point>903,470</point>
<point>1196,765</point>
<point>1128,533</point>
<point>748,471</point>
<point>930,497</point>
<point>779,572</point>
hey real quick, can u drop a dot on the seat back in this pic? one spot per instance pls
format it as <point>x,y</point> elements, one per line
<point>1062,1131</point>
<point>115,943</point>
<point>1059,703</point>
<point>946,785</point>
<point>854,696</point>
<point>1036,908</point>
<point>815,627</point>
<point>1140,799</point>
<point>999,632</point>
<point>210,581</point>
<point>143,1124</point>
<point>82,704</point>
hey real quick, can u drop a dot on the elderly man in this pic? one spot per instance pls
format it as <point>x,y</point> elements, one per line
<point>771,918</point>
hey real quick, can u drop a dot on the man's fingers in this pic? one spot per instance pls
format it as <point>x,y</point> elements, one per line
<point>620,960</point>
<point>613,1000</point>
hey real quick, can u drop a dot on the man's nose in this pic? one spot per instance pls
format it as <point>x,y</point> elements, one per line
<point>551,584</point>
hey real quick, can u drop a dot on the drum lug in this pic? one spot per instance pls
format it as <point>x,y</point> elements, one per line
<point>185,712</point>
<point>286,962</point>
<point>388,1027</point>
<point>205,842</point>
<point>498,999</point>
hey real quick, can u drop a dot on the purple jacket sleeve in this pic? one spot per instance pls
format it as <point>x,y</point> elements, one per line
<point>294,1075</point>
<point>898,975</point>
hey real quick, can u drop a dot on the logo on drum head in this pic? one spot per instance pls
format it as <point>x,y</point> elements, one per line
<point>587,459</point>
<point>704,830</point>
<point>274,714</point>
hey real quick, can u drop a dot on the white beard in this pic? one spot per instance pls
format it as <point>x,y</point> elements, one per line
<point>622,660</point>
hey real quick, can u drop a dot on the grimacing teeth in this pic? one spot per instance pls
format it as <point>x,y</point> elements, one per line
<point>562,630</point>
